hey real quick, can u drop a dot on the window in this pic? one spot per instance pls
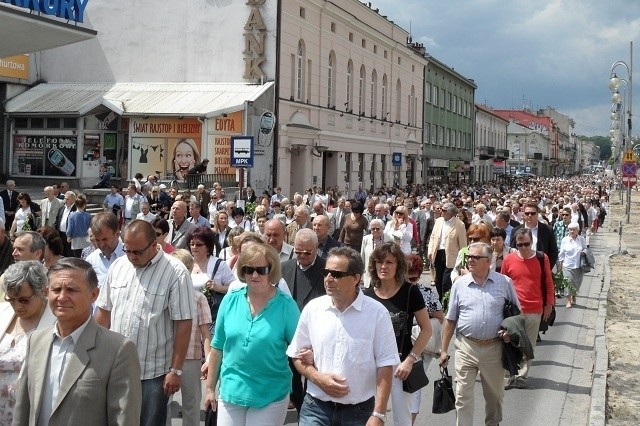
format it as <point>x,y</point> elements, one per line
<point>299,73</point>
<point>443,97</point>
<point>302,12</point>
<point>37,123</point>
<point>384,111</point>
<point>351,37</point>
<point>361,90</point>
<point>385,54</point>
<point>374,93</point>
<point>413,106</point>
<point>398,100</point>
<point>331,89</point>
<point>364,43</point>
<point>427,93</point>
<point>333,27</point>
<point>52,123</point>
<point>436,92</point>
<point>21,122</point>
<point>399,60</point>
<point>349,94</point>
<point>375,48</point>
<point>434,134</point>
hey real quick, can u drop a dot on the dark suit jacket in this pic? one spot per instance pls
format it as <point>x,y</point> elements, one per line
<point>308,284</point>
<point>59,216</point>
<point>328,245</point>
<point>10,204</point>
<point>100,385</point>
<point>546,242</point>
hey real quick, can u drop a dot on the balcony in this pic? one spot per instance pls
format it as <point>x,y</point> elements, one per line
<point>502,154</point>
<point>486,152</point>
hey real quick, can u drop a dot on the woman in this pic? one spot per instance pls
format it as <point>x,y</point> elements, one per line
<point>230,252</point>
<point>254,373</point>
<point>388,269</point>
<point>400,230</point>
<point>208,271</point>
<point>78,227</point>
<point>288,214</point>
<point>53,248</point>
<point>25,288</point>
<point>161,227</point>
<point>370,242</point>
<point>353,228</point>
<point>571,249</point>
<point>221,229</point>
<point>500,249</point>
<point>25,217</point>
<point>434,308</point>
<point>479,232</point>
<point>153,198</point>
<point>185,156</point>
<point>462,215</point>
<point>237,213</point>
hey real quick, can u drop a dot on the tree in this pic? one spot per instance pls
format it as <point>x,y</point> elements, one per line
<point>604,142</point>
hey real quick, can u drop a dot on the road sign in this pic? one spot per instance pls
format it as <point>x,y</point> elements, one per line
<point>396,159</point>
<point>629,156</point>
<point>242,151</point>
<point>629,168</point>
<point>629,181</point>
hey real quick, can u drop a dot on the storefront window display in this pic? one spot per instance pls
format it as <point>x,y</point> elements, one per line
<point>44,155</point>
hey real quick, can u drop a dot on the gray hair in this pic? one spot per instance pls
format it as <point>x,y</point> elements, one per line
<point>378,222</point>
<point>81,265</point>
<point>306,234</point>
<point>30,272</point>
<point>37,242</point>
<point>486,248</point>
<point>450,208</point>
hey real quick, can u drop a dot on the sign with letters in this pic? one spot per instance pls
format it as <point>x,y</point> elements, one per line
<point>65,9</point>
<point>242,151</point>
<point>396,159</point>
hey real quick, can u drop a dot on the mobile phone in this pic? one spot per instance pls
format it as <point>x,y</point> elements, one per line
<point>58,159</point>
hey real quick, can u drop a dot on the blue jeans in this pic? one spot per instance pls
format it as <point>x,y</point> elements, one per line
<point>154,402</point>
<point>315,412</point>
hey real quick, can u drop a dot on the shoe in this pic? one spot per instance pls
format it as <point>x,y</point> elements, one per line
<point>509,382</point>
<point>538,339</point>
<point>521,383</point>
<point>568,305</point>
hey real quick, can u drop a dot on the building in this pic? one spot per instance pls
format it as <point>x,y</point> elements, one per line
<point>490,143</point>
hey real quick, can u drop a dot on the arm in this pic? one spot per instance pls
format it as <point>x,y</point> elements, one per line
<point>384,375</point>
<point>447,334</point>
<point>103,317</point>
<point>215,359</point>
<point>331,384</point>
<point>206,343</point>
<point>181,338</point>
<point>403,370</point>
<point>124,389</point>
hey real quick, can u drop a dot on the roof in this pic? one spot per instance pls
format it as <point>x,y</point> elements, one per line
<point>526,119</point>
<point>128,99</point>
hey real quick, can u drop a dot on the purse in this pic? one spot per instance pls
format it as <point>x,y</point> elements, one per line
<point>585,265</point>
<point>433,345</point>
<point>417,378</point>
<point>444,400</point>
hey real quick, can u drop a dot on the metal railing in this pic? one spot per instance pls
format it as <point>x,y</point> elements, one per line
<point>207,179</point>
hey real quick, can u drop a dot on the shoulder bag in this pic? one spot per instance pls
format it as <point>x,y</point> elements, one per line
<point>417,378</point>
<point>444,400</point>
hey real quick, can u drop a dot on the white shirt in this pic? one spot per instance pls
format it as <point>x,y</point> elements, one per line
<point>64,218</point>
<point>224,275</point>
<point>101,263</point>
<point>446,228</point>
<point>149,217</point>
<point>353,344</point>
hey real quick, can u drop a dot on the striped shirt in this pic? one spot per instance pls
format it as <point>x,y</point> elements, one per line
<point>144,302</point>
<point>477,308</point>
<point>194,351</point>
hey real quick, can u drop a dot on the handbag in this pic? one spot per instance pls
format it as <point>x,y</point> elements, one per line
<point>444,400</point>
<point>417,378</point>
<point>544,325</point>
<point>433,345</point>
<point>211,417</point>
<point>585,264</point>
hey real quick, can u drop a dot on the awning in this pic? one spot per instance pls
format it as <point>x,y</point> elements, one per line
<point>133,99</point>
<point>23,32</point>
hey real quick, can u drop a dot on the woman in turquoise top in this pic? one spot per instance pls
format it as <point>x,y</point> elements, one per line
<point>254,326</point>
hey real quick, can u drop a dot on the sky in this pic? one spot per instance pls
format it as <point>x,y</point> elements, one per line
<point>533,53</point>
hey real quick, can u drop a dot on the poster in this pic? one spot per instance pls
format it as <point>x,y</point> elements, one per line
<point>60,156</point>
<point>44,155</point>
<point>220,142</point>
<point>27,155</point>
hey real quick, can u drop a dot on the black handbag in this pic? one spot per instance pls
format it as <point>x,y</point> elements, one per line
<point>417,378</point>
<point>444,400</point>
<point>211,417</point>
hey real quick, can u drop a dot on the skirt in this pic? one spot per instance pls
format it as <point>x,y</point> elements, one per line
<point>575,276</point>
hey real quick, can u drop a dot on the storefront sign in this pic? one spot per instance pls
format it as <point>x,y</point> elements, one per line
<point>220,140</point>
<point>44,155</point>
<point>65,9</point>
<point>499,167</point>
<point>15,67</point>
<point>254,40</point>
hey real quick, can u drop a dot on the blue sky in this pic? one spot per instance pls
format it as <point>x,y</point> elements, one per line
<point>536,53</point>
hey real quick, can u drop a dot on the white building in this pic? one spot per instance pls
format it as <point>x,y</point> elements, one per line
<point>490,144</point>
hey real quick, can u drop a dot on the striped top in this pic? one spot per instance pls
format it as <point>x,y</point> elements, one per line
<point>144,302</point>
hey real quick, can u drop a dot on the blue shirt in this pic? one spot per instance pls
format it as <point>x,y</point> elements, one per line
<point>255,370</point>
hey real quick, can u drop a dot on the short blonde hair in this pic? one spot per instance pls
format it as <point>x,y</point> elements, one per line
<point>185,257</point>
<point>256,252</point>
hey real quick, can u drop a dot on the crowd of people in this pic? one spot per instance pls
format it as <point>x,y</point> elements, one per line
<point>259,294</point>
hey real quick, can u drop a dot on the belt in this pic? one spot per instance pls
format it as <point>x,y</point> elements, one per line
<point>338,405</point>
<point>483,342</point>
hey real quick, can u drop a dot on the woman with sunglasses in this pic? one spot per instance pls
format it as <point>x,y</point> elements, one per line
<point>254,326</point>
<point>400,230</point>
<point>161,226</point>
<point>479,232</point>
<point>389,286</point>
<point>25,289</point>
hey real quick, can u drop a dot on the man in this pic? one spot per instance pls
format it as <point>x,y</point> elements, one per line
<point>6,251</point>
<point>360,195</point>
<point>448,237</point>
<point>114,201</point>
<point>277,196</point>
<point>196,219</point>
<point>475,314</point>
<point>370,212</point>
<point>381,213</point>
<point>529,274</point>
<point>561,227</point>
<point>152,181</point>
<point>339,214</point>
<point>28,245</point>
<point>105,178</point>
<point>109,247</point>
<point>425,233</point>
<point>132,203</point>
<point>76,372</point>
<point>503,220</point>
<point>10,202</point>
<point>274,236</point>
<point>543,239</point>
<point>203,197</point>
<point>352,388</point>
<point>319,210</point>
<point>179,226</point>
<point>56,191</point>
<point>325,241</point>
<point>49,206</point>
<point>145,212</point>
<point>480,214</point>
<point>64,187</point>
<point>63,217</point>
<point>300,221</point>
<point>148,297</point>
<point>303,275</point>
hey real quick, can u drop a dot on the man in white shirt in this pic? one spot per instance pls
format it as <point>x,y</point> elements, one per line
<point>61,220</point>
<point>106,236</point>
<point>354,387</point>
<point>274,233</point>
<point>131,204</point>
<point>145,213</point>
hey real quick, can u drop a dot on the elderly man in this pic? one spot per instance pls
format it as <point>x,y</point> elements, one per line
<point>319,210</point>
<point>109,247</point>
<point>274,232</point>
<point>354,387</point>
<point>475,313</point>
<point>339,214</point>
<point>76,372</point>
<point>148,297</point>
<point>300,221</point>
<point>49,207</point>
<point>62,218</point>
<point>132,202</point>
<point>145,212</point>
<point>10,201</point>
<point>447,238</point>
<point>179,226</point>
<point>326,242</point>
<point>203,197</point>
<point>28,245</point>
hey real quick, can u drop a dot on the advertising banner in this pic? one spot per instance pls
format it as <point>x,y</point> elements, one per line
<point>220,140</point>
<point>498,167</point>
<point>44,155</point>
<point>15,67</point>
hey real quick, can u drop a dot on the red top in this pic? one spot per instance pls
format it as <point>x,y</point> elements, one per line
<point>527,279</point>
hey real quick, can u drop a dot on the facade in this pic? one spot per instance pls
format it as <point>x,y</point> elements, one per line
<point>448,124</point>
<point>490,142</point>
<point>567,159</point>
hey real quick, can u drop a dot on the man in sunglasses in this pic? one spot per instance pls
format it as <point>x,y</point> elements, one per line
<point>542,235</point>
<point>561,227</point>
<point>352,388</point>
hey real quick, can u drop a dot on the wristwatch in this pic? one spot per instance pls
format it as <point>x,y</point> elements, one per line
<point>381,416</point>
<point>175,371</point>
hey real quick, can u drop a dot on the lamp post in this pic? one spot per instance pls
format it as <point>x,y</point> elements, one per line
<point>618,128</point>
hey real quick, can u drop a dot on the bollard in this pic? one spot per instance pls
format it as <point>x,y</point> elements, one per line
<point>620,237</point>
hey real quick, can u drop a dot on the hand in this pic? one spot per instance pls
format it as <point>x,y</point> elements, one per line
<point>210,400</point>
<point>332,384</point>
<point>204,371</point>
<point>547,312</point>
<point>171,384</point>
<point>306,356</point>
<point>374,421</point>
<point>503,334</point>
<point>403,370</point>
<point>443,361</point>
<point>463,271</point>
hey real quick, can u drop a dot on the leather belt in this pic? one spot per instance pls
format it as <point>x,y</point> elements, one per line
<point>483,342</point>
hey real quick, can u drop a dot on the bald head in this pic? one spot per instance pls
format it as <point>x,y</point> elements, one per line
<point>321,226</point>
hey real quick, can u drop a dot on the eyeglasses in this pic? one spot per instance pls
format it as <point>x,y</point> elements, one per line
<point>474,257</point>
<point>376,229</point>
<point>474,239</point>
<point>530,213</point>
<point>305,252</point>
<point>335,274</point>
<point>20,300</point>
<point>138,252</point>
<point>195,244</point>
<point>520,245</point>
<point>566,214</point>
<point>261,270</point>
<point>400,213</point>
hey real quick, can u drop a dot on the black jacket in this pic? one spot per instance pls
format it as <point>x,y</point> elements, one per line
<point>546,242</point>
<point>519,346</point>
<point>304,285</point>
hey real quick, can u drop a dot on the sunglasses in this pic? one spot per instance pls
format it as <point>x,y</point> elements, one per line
<point>520,245</point>
<point>474,239</point>
<point>20,300</point>
<point>138,252</point>
<point>565,214</point>
<point>305,252</point>
<point>261,270</point>
<point>530,213</point>
<point>335,274</point>
<point>474,257</point>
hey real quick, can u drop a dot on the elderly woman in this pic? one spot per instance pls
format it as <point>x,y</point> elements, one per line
<point>388,269</point>
<point>54,247</point>
<point>400,230</point>
<point>25,215</point>
<point>255,324</point>
<point>500,249</point>
<point>25,288</point>
<point>571,248</point>
<point>370,242</point>
<point>353,228</point>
